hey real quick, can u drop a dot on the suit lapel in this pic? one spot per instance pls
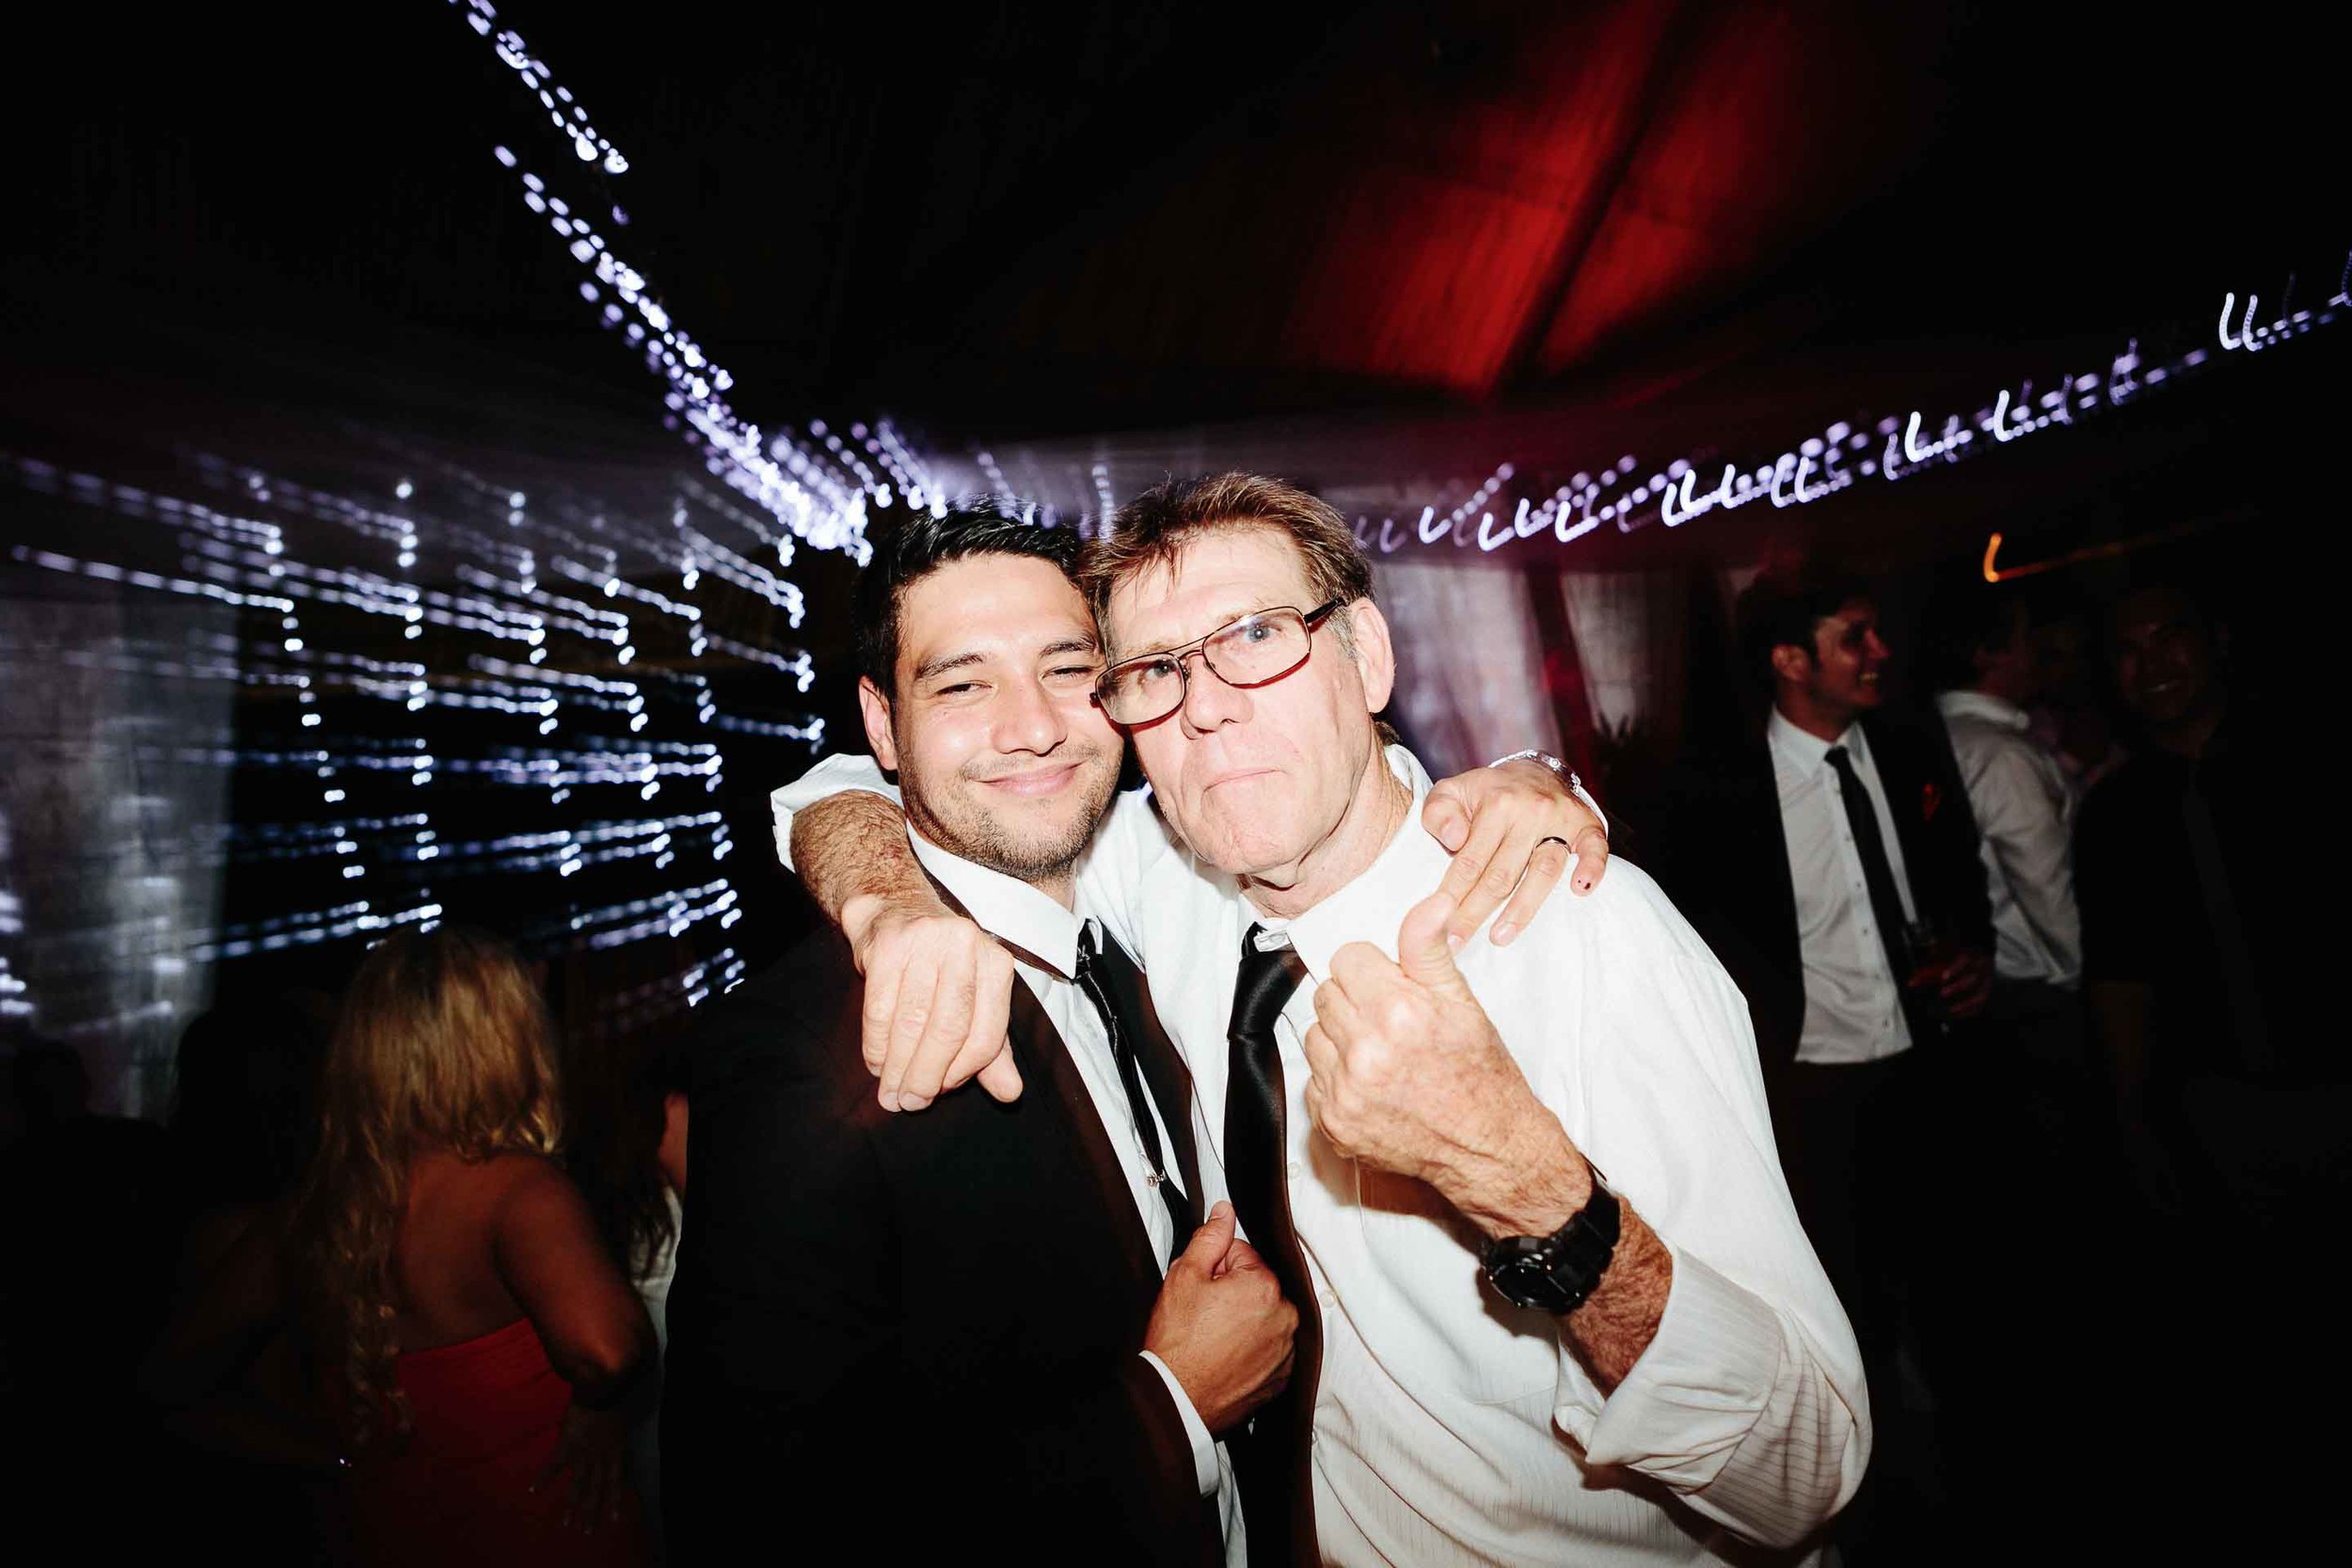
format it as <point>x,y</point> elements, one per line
<point>1777,885</point>
<point>1045,1065</point>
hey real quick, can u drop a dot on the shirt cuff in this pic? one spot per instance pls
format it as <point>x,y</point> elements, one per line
<point>1204,1471</point>
<point>1696,1391</point>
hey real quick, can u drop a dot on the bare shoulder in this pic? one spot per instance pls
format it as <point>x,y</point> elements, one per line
<point>522,1185</point>
<point>520,1170</point>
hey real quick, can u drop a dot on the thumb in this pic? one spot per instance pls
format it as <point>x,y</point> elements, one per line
<point>1210,1243</point>
<point>1424,952</point>
<point>1001,1078</point>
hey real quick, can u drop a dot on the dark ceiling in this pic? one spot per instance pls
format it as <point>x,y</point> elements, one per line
<point>1019,219</point>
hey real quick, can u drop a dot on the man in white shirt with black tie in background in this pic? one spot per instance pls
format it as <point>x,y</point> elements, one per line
<point>1521,1360</point>
<point>1834,868</point>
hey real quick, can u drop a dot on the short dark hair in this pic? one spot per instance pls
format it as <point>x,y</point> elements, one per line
<point>1966,619</point>
<point>1786,606</point>
<point>1154,528</point>
<point>908,549</point>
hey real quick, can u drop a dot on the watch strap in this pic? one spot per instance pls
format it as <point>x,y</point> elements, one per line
<point>1567,774</point>
<point>1556,1272</point>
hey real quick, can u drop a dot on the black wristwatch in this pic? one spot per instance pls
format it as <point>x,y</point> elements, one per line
<point>1555,1273</point>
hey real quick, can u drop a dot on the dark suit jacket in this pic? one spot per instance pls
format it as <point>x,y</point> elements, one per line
<point>915,1338</point>
<point>1722,857</point>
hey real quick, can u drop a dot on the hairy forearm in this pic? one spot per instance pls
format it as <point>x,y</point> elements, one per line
<point>1620,1318</point>
<point>851,849</point>
<point>1534,1183</point>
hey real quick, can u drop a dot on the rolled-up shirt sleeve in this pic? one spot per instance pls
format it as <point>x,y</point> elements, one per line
<point>1749,1402</point>
<point>1733,1407</point>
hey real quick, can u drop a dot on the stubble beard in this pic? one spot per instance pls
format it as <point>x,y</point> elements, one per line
<point>973,834</point>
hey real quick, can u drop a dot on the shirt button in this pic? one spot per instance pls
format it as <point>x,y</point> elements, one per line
<point>1327,1300</point>
<point>1298,1170</point>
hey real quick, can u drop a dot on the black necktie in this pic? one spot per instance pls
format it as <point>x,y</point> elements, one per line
<point>1089,980</point>
<point>1878,876</point>
<point>1276,1496</point>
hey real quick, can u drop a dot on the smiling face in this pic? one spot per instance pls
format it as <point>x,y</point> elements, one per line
<point>1002,755</point>
<point>2164,657</point>
<point>1259,782</point>
<point>1841,681</point>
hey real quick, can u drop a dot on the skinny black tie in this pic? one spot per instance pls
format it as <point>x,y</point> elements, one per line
<point>1276,1489</point>
<point>1878,876</point>
<point>1089,980</point>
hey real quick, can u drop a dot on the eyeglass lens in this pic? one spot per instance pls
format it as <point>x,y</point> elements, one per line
<point>1252,651</point>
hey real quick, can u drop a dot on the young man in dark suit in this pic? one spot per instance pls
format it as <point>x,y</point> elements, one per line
<point>1762,850</point>
<point>1833,864</point>
<point>987,1278</point>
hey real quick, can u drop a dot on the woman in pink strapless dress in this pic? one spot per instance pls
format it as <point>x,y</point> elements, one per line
<point>474,1338</point>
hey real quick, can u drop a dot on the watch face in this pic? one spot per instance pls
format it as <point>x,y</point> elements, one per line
<point>1528,1282</point>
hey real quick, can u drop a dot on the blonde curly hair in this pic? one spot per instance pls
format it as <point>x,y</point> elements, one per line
<point>442,1044</point>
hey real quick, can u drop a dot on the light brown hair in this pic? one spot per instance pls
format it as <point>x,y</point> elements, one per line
<point>1153,530</point>
<point>442,1044</point>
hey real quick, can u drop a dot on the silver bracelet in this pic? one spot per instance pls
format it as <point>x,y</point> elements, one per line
<point>1567,774</point>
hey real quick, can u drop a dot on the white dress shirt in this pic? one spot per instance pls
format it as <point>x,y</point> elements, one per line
<point>1042,937</point>
<point>2025,809</point>
<point>1450,1426</point>
<point>1853,1002</point>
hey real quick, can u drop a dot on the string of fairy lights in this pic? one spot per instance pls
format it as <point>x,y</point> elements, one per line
<point>452,669</point>
<point>563,645</point>
<point>1897,447</point>
<point>548,679</point>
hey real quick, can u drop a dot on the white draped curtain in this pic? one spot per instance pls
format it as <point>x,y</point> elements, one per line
<point>1470,663</point>
<point>1627,628</point>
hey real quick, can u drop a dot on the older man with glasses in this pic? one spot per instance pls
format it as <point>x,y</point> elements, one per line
<point>1503,1356</point>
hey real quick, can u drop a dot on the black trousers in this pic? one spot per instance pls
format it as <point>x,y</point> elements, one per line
<point>1855,1142</point>
<point>1874,1157</point>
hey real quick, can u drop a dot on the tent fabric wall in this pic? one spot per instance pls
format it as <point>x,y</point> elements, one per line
<point>1469,664</point>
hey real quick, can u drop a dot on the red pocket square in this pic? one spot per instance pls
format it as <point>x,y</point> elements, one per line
<point>1929,798</point>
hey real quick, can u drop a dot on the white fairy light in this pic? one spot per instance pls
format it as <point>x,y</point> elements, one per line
<point>1838,457</point>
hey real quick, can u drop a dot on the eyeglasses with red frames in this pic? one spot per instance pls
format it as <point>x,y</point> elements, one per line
<point>1256,650</point>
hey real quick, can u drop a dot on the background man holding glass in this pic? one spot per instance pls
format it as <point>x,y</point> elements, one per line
<point>1834,868</point>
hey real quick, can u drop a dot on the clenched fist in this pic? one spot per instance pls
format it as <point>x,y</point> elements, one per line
<point>1410,1076</point>
<point>1222,1325</point>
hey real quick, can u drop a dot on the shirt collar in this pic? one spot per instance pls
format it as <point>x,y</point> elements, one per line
<point>1371,908</point>
<point>1979,705</point>
<point>1005,907</point>
<point>1805,752</point>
